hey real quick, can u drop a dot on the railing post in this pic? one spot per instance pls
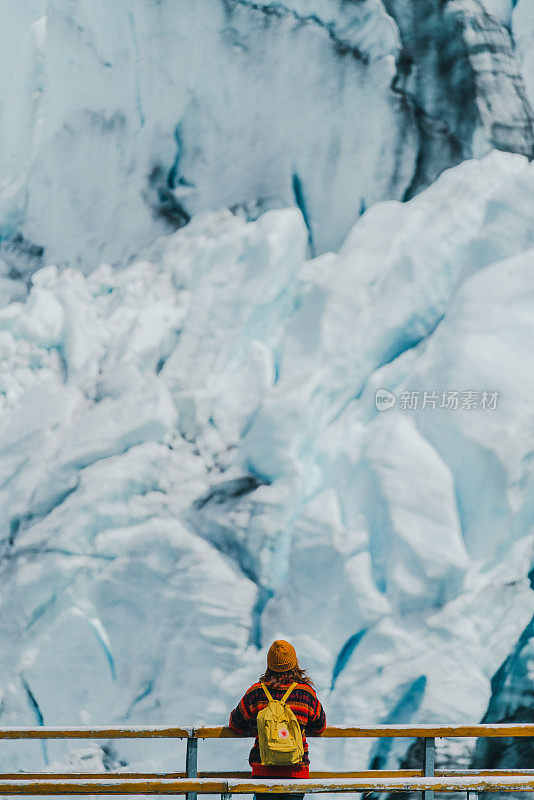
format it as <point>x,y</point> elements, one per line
<point>429,751</point>
<point>191,762</point>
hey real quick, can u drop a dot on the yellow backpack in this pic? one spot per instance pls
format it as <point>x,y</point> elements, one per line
<point>279,732</point>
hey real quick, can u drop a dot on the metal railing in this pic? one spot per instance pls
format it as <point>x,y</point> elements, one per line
<point>427,780</point>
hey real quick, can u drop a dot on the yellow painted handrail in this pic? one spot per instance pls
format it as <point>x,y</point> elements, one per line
<point>332,731</point>
<point>226,775</point>
<point>116,732</point>
<point>426,780</point>
<point>412,731</point>
<point>235,786</point>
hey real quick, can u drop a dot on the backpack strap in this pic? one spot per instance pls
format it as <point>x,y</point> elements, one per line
<point>284,698</point>
<point>265,689</point>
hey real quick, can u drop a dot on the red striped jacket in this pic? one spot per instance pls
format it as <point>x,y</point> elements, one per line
<point>302,701</point>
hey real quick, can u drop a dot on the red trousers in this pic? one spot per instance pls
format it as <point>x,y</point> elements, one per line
<point>291,771</point>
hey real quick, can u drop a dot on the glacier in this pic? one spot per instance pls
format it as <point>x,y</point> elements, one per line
<point>209,271</point>
<point>176,135</point>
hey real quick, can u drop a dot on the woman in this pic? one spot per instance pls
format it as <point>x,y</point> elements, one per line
<point>282,670</point>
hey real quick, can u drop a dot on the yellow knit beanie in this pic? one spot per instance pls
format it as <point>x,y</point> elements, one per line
<point>281,656</point>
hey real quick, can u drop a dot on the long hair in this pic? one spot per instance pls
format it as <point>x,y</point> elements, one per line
<point>279,680</point>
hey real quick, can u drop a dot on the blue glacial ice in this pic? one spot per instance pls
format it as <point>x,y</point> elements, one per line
<point>192,462</point>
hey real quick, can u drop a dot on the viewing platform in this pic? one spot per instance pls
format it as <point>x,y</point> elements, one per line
<point>190,782</point>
